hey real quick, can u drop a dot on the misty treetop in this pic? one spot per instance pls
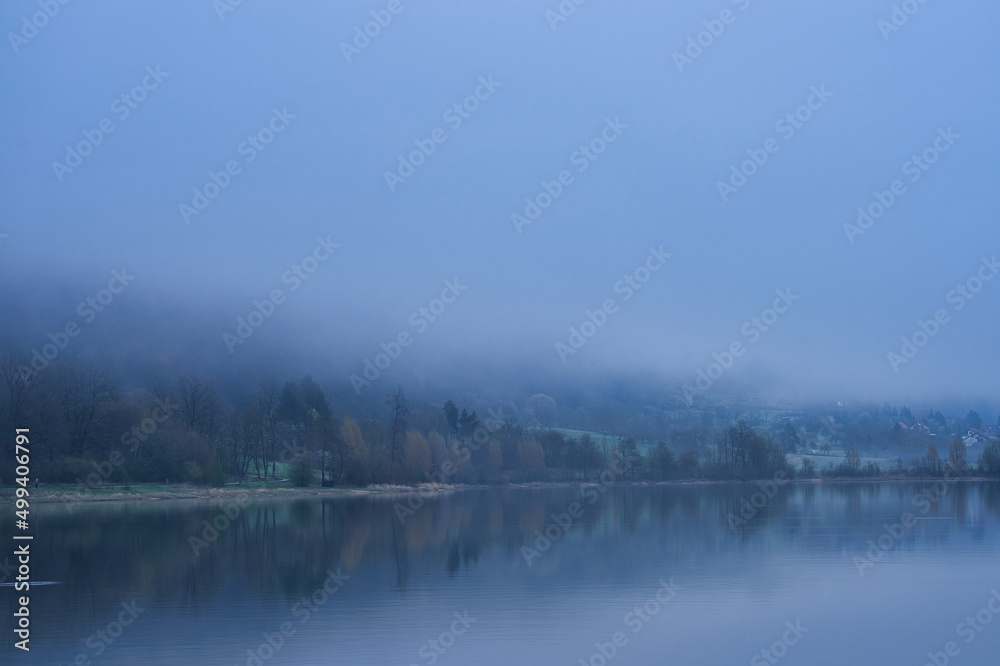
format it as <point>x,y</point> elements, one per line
<point>94,433</point>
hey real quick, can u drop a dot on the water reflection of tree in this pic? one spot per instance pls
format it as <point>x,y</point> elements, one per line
<point>991,497</point>
<point>282,550</point>
<point>959,501</point>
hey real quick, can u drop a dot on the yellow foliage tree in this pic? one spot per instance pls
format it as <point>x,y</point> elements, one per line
<point>495,459</point>
<point>416,457</point>
<point>356,453</point>
<point>439,450</point>
<point>530,455</point>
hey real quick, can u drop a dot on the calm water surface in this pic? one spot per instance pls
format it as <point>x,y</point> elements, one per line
<point>820,574</point>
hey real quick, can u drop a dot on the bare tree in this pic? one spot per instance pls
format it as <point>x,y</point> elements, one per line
<point>18,387</point>
<point>18,393</point>
<point>243,437</point>
<point>399,412</point>
<point>266,403</point>
<point>628,456</point>
<point>200,406</point>
<point>86,395</point>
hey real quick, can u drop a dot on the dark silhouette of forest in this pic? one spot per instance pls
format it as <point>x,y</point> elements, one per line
<point>90,431</point>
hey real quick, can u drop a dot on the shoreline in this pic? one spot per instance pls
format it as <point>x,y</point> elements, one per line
<point>66,494</point>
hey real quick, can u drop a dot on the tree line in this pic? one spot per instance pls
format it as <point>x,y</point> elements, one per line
<point>92,432</point>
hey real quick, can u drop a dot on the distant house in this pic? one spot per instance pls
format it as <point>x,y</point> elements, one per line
<point>974,438</point>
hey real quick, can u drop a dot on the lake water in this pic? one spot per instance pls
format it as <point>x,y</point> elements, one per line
<point>819,574</point>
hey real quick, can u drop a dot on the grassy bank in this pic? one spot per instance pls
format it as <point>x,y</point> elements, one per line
<point>283,489</point>
<point>57,493</point>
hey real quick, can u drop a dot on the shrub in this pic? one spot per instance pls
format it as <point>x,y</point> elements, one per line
<point>808,468</point>
<point>301,472</point>
<point>989,461</point>
<point>214,475</point>
<point>192,472</point>
<point>70,470</point>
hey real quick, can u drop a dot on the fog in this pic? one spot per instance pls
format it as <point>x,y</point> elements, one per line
<point>253,144</point>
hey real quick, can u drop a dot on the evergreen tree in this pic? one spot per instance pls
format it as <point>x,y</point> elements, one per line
<point>451,415</point>
<point>789,438</point>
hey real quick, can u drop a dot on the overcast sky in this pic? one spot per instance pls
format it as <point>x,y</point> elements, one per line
<point>664,121</point>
